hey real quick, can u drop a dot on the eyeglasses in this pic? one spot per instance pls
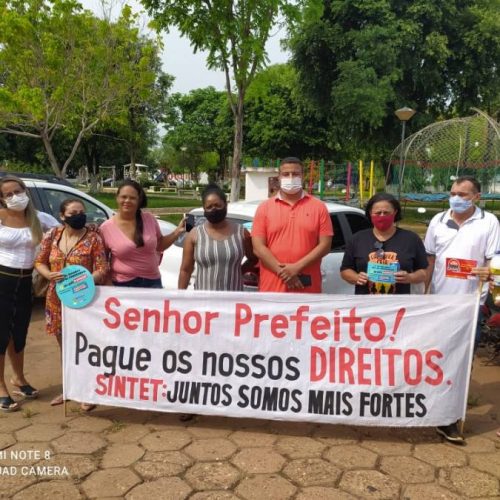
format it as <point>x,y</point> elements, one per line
<point>379,247</point>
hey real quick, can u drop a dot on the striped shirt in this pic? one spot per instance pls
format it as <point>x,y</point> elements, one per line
<point>218,262</point>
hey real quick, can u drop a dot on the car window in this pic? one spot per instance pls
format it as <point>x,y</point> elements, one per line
<point>55,197</point>
<point>357,222</point>
<point>338,240</point>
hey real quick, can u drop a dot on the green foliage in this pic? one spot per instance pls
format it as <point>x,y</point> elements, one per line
<point>65,72</point>
<point>358,61</point>
<point>234,34</point>
<point>199,123</point>
<point>277,125</point>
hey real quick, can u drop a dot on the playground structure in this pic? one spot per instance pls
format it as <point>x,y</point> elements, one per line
<point>326,179</point>
<point>439,153</point>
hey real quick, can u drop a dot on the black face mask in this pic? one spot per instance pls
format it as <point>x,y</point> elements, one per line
<point>215,216</point>
<point>76,221</point>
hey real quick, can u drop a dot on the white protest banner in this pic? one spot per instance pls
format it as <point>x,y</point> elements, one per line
<point>364,360</point>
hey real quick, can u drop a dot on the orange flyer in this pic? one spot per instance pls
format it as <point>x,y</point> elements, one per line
<point>460,268</point>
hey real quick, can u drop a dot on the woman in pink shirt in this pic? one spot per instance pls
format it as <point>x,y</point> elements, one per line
<point>134,241</point>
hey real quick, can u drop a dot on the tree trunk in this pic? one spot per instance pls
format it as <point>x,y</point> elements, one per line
<point>94,178</point>
<point>132,170</point>
<point>237,148</point>
<point>51,155</point>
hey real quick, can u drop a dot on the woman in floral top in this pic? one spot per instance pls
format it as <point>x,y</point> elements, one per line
<point>70,244</point>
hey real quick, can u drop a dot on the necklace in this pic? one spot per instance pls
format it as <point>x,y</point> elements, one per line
<point>69,242</point>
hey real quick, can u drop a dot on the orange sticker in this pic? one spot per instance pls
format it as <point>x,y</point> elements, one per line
<point>460,268</point>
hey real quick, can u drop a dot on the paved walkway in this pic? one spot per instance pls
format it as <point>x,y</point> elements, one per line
<point>119,453</point>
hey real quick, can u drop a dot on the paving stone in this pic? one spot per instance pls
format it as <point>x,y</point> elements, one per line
<point>212,476</point>
<point>166,440</point>
<point>333,435</point>
<point>440,455</point>
<point>121,432</point>
<point>417,435</point>
<point>9,424</point>
<point>110,483</point>
<point>52,490</point>
<point>213,495</point>
<point>478,444</point>
<point>89,423</point>
<point>78,466</point>
<point>213,422</point>
<point>312,472</point>
<point>351,456</point>
<point>174,457</point>
<point>265,486</point>
<point>162,463</point>
<point>252,439</point>
<point>40,432</point>
<point>299,447</point>
<point>6,440</point>
<point>386,448</point>
<point>408,469</point>
<point>26,453</point>
<point>369,484</point>
<point>208,432</point>
<point>166,421</point>
<point>428,491</point>
<point>258,460</point>
<point>9,485</point>
<point>171,487</point>
<point>52,415</point>
<point>291,428</point>
<point>78,442</point>
<point>469,482</point>
<point>128,415</point>
<point>121,455</point>
<point>208,450</point>
<point>323,493</point>
<point>486,462</point>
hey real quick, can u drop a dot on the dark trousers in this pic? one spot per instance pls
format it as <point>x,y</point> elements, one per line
<point>16,301</point>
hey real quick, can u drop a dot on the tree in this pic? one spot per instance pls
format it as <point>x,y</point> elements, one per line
<point>276,123</point>
<point>234,33</point>
<point>64,72</point>
<point>200,121</point>
<point>360,60</point>
<point>145,99</point>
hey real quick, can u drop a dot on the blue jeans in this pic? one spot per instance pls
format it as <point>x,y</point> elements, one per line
<point>140,283</point>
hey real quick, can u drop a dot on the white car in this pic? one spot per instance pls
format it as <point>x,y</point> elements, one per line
<point>346,221</point>
<point>47,195</point>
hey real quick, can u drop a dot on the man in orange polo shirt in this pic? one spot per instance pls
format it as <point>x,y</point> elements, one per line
<point>291,233</point>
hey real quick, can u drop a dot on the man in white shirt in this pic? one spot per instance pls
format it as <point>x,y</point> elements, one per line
<point>465,232</point>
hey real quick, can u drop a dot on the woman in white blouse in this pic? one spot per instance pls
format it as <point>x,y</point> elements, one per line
<point>20,233</point>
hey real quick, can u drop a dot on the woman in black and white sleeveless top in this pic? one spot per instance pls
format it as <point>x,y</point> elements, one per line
<point>217,247</point>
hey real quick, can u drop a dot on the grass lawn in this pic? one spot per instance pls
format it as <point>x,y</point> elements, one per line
<point>109,199</point>
<point>173,218</point>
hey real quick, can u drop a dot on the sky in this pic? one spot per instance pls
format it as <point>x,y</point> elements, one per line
<point>189,69</point>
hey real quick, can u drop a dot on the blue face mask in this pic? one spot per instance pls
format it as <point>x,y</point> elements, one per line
<point>459,205</point>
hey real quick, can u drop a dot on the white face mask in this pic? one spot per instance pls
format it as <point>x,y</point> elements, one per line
<point>18,202</point>
<point>291,185</point>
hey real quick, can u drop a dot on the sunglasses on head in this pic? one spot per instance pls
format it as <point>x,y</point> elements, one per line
<point>379,247</point>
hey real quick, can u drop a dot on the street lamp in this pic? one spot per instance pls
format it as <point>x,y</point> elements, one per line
<point>404,114</point>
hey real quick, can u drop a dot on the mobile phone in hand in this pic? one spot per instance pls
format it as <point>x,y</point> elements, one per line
<point>189,222</point>
<point>305,279</point>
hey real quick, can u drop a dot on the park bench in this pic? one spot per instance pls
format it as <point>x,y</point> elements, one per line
<point>171,189</point>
